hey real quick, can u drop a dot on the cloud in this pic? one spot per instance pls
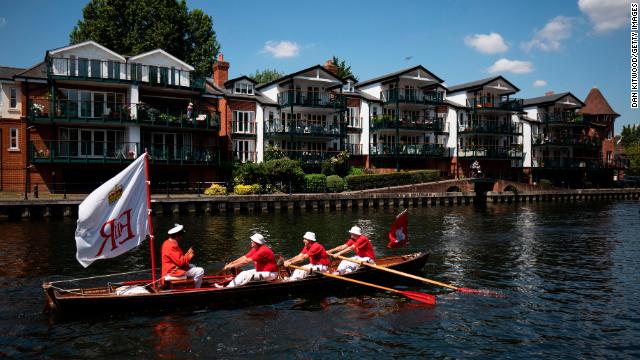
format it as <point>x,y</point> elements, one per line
<point>606,15</point>
<point>513,66</point>
<point>552,34</point>
<point>539,83</point>
<point>492,43</point>
<point>281,49</point>
<point>3,21</point>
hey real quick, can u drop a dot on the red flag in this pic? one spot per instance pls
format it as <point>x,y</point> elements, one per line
<point>399,233</point>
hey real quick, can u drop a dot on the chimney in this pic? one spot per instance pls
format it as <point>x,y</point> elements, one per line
<point>220,71</point>
<point>548,93</point>
<point>330,66</point>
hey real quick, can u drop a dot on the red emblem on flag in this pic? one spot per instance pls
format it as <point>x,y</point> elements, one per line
<point>399,233</point>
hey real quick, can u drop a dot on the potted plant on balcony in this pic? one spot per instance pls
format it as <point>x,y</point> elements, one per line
<point>37,109</point>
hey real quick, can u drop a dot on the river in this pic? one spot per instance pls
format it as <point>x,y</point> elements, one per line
<point>569,273</point>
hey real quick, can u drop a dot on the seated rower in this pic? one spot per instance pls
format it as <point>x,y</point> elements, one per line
<point>362,247</point>
<point>312,250</point>
<point>263,259</point>
<point>176,264</point>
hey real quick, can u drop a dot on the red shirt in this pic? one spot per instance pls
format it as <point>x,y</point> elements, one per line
<point>174,262</point>
<point>363,247</point>
<point>317,254</point>
<point>263,259</point>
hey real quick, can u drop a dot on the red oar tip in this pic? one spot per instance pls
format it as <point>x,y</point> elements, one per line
<point>422,297</point>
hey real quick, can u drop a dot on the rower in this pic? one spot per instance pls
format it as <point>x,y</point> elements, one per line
<point>263,259</point>
<point>176,264</point>
<point>312,250</point>
<point>362,246</point>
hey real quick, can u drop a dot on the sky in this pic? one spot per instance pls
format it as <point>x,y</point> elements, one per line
<point>540,46</point>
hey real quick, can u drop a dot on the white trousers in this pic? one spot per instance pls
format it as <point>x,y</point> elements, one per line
<point>346,266</point>
<point>252,275</point>
<point>194,272</point>
<point>301,274</point>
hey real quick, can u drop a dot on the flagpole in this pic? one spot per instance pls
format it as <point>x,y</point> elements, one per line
<point>153,257</point>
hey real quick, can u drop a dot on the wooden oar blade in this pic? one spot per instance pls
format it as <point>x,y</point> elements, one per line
<point>422,297</point>
<point>488,293</point>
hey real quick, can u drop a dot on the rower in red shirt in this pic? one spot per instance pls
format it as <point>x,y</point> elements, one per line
<point>312,250</point>
<point>176,264</point>
<point>362,247</point>
<point>263,259</point>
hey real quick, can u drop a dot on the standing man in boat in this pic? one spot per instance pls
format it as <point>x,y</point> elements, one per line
<point>312,250</point>
<point>263,259</point>
<point>362,246</point>
<point>176,264</point>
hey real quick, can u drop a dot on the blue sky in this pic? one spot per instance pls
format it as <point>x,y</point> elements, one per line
<point>564,45</point>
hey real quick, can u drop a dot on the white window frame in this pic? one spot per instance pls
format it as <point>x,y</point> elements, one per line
<point>14,139</point>
<point>13,98</point>
<point>244,122</point>
<point>243,87</point>
<point>244,150</point>
<point>353,117</point>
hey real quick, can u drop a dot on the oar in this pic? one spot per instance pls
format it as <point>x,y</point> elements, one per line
<point>460,289</point>
<point>418,296</point>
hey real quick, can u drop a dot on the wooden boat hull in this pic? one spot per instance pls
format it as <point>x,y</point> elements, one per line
<point>62,301</point>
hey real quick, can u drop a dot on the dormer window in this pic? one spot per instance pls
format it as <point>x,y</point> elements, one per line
<point>243,88</point>
<point>348,87</point>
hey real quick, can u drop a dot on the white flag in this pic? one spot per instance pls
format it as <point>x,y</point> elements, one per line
<point>113,219</point>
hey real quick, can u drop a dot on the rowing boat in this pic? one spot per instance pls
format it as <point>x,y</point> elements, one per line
<point>182,294</point>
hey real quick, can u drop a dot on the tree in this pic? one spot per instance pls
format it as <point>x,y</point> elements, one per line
<point>344,70</point>
<point>266,75</point>
<point>630,141</point>
<point>134,27</point>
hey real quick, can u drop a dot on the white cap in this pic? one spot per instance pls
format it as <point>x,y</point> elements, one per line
<point>356,230</point>
<point>310,236</point>
<point>257,238</point>
<point>175,229</point>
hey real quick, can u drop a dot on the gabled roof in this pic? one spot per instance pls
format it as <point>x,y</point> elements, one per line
<point>227,93</point>
<point>160,51</point>
<point>243,77</point>
<point>549,99</point>
<point>396,74</point>
<point>90,42</point>
<point>292,75</point>
<point>478,84</point>
<point>596,104</point>
<point>37,71</point>
<point>7,72</point>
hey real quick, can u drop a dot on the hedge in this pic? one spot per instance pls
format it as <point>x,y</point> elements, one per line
<point>373,181</point>
<point>315,183</point>
<point>335,184</point>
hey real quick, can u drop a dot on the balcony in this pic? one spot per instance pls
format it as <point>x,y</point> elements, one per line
<point>119,72</point>
<point>301,128</point>
<point>569,118</point>
<point>568,141</point>
<point>491,128</point>
<point>489,152</point>
<point>566,163</point>
<point>181,154</point>
<point>492,104</point>
<point>415,150</point>
<point>310,157</point>
<point>311,99</point>
<point>412,96</point>
<point>104,112</point>
<point>243,128</point>
<point>418,123</point>
<point>83,152</point>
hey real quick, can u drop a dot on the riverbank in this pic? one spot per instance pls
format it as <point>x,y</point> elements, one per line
<point>388,197</point>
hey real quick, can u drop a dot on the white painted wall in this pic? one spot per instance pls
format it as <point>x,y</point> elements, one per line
<point>271,92</point>
<point>459,98</point>
<point>5,93</point>
<point>526,139</point>
<point>452,140</point>
<point>372,89</point>
<point>160,59</point>
<point>88,51</point>
<point>260,114</point>
<point>132,135</point>
<point>133,94</point>
<point>365,139</point>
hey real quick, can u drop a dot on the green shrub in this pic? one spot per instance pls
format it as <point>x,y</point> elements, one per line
<point>545,184</point>
<point>215,189</point>
<point>273,153</point>
<point>336,184</point>
<point>315,183</point>
<point>256,189</point>
<point>248,173</point>
<point>373,181</point>
<point>284,175</point>
<point>356,171</point>
<point>243,189</point>
<point>336,165</point>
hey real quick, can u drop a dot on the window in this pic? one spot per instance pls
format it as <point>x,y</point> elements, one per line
<point>348,87</point>
<point>243,88</point>
<point>352,117</point>
<point>13,98</point>
<point>243,150</point>
<point>95,143</point>
<point>13,139</point>
<point>243,122</point>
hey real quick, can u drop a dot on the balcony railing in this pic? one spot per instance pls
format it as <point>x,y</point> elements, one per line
<point>310,157</point>
<point>559,118</point>
<point>412,96</point>
<point>489,128</point>
<point>63,151</point>
<point>114,71</point>
<point>494,104</point>
<point>320,99</point>
<point>409,123</point>
<point>243,127</point>
<point>565,163</point>
<point>173,116</point>
<point>300,128</point>
<point>568,141</point>
<point>490,152</point>
<point>181,154</point>
<point>415,150</point>
<point>354,149</point>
